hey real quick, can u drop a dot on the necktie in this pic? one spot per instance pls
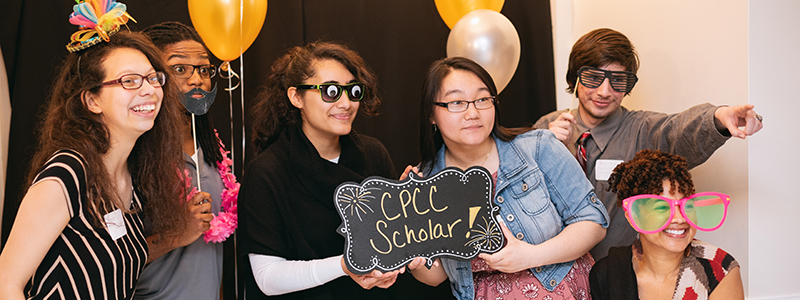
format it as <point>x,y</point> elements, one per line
<point>581,153</point>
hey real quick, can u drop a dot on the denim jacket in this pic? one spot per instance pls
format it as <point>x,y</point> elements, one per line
<point>540,189</point>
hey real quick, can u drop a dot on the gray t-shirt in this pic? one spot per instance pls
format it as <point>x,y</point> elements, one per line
<point>691,134</point>
<point>193,271</point>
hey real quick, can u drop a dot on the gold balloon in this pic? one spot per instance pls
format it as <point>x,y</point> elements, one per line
<point>452,10</point>
<point>225,31</point>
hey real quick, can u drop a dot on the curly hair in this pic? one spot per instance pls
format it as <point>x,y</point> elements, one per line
<point>155,157</point>
<point>272,107</point>
<point>599,47</point>
<point>645,173</point>
<point>431,140</point>
<point>165,34</point>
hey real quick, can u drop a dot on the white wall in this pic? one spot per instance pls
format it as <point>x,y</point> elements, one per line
<point>699,51</point>
<point>561,15</point>
<point>774,219</point>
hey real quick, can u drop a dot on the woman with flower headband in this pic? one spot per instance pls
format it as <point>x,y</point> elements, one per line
<point>550,212</point>
<point>656,191</point>
<point>106,157</point>
<point>306,148</point>
<point>190,267</point>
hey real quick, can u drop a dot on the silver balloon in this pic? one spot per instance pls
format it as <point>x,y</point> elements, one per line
<point>488,38</point>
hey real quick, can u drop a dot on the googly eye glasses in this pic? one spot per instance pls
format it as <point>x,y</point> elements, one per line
<point>331,92</point>
<point>620,81</point>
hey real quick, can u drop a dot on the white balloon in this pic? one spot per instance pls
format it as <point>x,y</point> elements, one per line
<point>488,38</point>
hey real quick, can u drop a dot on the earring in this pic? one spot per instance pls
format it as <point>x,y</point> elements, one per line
<point>434,129</point>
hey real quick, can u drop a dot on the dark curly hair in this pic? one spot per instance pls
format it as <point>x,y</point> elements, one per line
<point>154,159</point>
<point>645,173</point>
<point>168,33</point>
<point>273,110</point>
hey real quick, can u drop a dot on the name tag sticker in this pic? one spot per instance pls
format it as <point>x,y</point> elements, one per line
<point>115,224</point>
<point>604,167</point>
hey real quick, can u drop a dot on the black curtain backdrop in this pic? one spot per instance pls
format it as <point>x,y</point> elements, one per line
<point>398,40</point>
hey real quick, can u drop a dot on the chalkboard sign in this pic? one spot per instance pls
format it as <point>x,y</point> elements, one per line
<point>387,223</point>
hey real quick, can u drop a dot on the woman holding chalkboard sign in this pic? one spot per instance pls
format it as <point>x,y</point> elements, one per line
<point>550,214</point>
<point>306,148</point>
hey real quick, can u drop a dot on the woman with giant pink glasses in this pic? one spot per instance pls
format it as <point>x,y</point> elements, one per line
<point>665,262</point>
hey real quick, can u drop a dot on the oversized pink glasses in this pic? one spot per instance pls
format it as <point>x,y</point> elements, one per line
<point>652,213</point>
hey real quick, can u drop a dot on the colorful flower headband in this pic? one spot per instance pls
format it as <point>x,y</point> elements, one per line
<point>98,19</point>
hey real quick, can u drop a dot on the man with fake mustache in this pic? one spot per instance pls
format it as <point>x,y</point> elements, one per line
<point>189,267</point>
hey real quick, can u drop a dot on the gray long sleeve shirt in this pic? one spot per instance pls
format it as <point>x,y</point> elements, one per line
<point>193,271</point>
<point>691,134</point>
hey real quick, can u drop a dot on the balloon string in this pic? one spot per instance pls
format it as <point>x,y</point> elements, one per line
<point>230,96</point>
<point>241,74</point>
<point>197,162</point>
<point>235,265</point>
<point>226,67</point>
<point>241,92</point>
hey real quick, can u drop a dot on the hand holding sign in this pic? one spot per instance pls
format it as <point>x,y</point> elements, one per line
<point>387,223</point>
<point>514,256</point>
<point>374,278</point>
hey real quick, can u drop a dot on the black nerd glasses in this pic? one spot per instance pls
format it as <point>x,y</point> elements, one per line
<point>462,105</point>
<point>185,71</point>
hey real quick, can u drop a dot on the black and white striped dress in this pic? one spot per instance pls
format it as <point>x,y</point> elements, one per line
<point>85,262</point>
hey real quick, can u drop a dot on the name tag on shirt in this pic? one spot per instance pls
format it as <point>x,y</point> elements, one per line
<point>604,167</point>
<point>115,224</point>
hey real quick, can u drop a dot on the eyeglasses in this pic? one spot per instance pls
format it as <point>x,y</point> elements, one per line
<point>135,81</point>
<point>331,92</point>
<point>462,105</point>
<point>651,213</point>
<point>621,81</point>
<point>185,71</point>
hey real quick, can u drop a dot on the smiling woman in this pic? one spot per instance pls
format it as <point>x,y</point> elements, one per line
<point>547,247</point>
<point>666,260</point>
<point>306,149</point>
<point>106,158</point>
<point>129,102</point>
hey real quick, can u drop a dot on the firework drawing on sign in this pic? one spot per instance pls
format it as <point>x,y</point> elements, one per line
<point>357,199</point>
<point>486,236</point>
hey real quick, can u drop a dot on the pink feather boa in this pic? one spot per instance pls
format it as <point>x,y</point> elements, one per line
<point>226,222</point>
